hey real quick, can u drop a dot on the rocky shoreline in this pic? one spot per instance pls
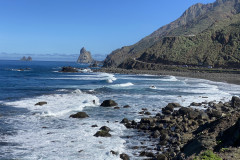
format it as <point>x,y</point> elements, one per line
<point>185,133</point>
<point>218,77</point>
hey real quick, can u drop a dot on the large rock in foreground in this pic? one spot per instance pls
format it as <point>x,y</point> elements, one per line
<point>235,102</point>
<point>79,115</point>
<point>109,103</point>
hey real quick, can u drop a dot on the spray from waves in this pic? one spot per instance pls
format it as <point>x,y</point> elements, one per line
<point>57,104</point>
<point>109,78</point>
<point>123,85</point>
<point>170,78</point>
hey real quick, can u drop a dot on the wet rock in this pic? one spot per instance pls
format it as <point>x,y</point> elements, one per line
<point>216,113</point>
<point>40,103</point>
<point>79,115</point>
<point>124,156</point>
<point>156,134</point>
<point>94,125</point>
<point>203,116</point>
<point>105,128</point>
<point>69,69</point>
<point>192,114</point>
<point>147,120</point>
<point>116,107</point>
<point>126,106</point>
<point>108,103</point>
<point>195,104</point>
<point>113,152</point>
<point>164,136</point>
<point>174,105</point>
<point>146,154</point>
<point>161,157</point>
<point>125,120</point>
<point>235,102</point>
<point>167,112</point>
<point>102,133</point>
<point>184,111</point>
<point>147,113</point>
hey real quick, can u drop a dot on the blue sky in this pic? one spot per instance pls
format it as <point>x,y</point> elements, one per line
<point>44,28</point>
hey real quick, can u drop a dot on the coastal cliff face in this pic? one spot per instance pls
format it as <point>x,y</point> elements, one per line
<point>85,56</point>
<point>206,34</point>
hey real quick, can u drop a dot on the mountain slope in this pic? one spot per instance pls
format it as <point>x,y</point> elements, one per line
<point>197,20</point>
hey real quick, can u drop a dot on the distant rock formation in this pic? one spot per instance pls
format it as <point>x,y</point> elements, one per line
<point>85,56</point>
<point>26,59</point>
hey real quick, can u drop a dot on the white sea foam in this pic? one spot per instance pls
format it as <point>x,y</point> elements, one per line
<point>96,76</point>
<point>58,104</point>
<point>170,78</point>
<point>123,85</point>
<point>49,133</point>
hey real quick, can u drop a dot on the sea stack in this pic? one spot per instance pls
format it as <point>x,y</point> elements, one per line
<point>26,59</point>
<point>85,56</point>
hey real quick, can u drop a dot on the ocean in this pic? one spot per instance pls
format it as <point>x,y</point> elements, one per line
<point>33,132</point>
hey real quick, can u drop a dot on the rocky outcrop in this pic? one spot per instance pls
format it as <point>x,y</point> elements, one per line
<point>85,56</point>
<point>40,103</point>
<point>69,69</point>
<point>26,59</point>
<point>79,115</point>
<point>109,103</point>
<point>103,132</point>
<point>184,132</point>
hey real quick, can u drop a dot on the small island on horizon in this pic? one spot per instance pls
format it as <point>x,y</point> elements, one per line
<point>29,58</point>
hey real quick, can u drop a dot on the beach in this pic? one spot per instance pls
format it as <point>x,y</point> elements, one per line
<point>217,77</point>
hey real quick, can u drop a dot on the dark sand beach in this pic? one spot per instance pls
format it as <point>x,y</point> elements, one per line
<point>218,77</point>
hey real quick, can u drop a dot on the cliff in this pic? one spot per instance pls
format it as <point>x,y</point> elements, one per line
<point>85,56</point>
<point>203,34</point>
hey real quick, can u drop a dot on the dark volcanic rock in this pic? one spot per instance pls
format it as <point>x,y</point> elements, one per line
<point>79,115</point>
<point>40,103</point>
<point>105,128</point>
<point>125,120</point>
<point>161,157</point>
<point>126,106</point>
<point>230,137</point>
<point>124,156</point>
<point>109,103</point>
<point>102,133</point>
<point>69,69</point>
<point>235,102</point>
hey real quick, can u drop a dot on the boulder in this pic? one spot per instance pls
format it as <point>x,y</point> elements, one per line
<point>184,110</point>
<point>126,106</point>
<point>105,128</point>
<point>108,103</point>
<point>195,104</point>
<point>235,102</point>
<point>79,115</point>
<point>161,157</point>
<point>125,120</point>
<point>124,156</point>
<point>102,133</point>
<point>40,103</point>
<point>146,154</point>
<point>69,69</point>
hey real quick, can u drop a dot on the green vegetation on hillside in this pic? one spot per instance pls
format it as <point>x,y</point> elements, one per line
<point>204,35</point>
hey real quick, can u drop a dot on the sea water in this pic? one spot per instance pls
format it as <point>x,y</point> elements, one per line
<point>44,132</point>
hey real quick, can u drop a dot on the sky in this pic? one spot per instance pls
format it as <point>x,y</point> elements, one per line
<point>58,29</point>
